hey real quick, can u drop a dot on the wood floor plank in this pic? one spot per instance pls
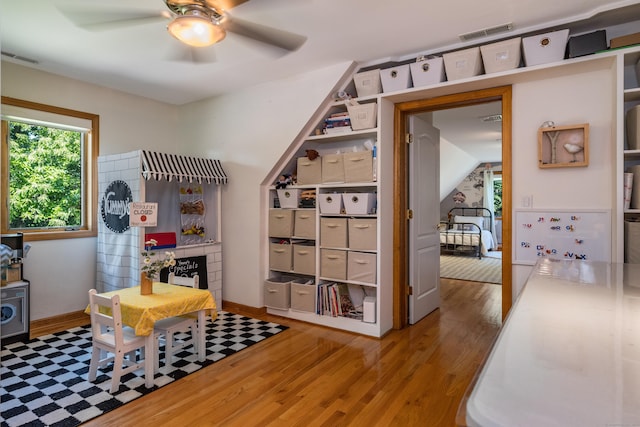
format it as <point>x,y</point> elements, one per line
<point>315,376</point>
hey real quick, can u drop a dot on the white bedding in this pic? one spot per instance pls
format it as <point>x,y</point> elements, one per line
<point>468,238</point>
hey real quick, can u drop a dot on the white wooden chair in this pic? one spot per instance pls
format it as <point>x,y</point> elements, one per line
<point>170,326</point>
<point>110,336</point>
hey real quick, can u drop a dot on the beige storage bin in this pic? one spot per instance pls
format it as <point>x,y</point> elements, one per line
<point>304,258</point>
<point>333,232</point>
<point>333,264</point>
<point>363,233</point>
<point>303,296</point>
<point>361,267</point>
<point>632,242</point>
<point>305,223</point>
<point>332,169</point>
<point>463,64</point>
<point>330,203</point>
<point>280,256</point>
<point>289,198</point>
<point>359,203</point>
<point>501,56</point>
<point>368,83</point>
<point>363,116</point>
<point>277,293</point>
<point>395,78</point>
<point>633,130</point>
<point>544,48</point>
<point>309,171</point>
<point>280,223</point>
<point>358,166</point>
<point>427,72</point>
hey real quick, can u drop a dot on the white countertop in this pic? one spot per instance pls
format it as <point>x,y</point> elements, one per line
<point>568,353</point>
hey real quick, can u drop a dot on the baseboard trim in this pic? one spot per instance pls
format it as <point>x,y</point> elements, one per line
<point>234,307</point>
<point>58,323</point>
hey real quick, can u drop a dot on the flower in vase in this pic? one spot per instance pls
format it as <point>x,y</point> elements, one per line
<point>152,264</point>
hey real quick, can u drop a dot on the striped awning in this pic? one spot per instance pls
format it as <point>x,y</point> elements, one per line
<point>160,166</point>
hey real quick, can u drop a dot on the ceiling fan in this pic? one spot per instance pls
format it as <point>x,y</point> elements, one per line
<point>196,23</point>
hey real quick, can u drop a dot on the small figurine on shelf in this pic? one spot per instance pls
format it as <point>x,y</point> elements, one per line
<point>283,181</point>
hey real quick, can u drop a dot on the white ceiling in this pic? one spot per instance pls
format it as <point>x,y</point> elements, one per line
<point>141,59</point>
<point>138,58</point>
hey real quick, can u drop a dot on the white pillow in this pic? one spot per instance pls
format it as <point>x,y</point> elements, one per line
<point>478,220</point>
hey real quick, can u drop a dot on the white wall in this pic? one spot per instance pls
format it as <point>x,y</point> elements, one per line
<point>586,97</point>
<point>455,164</point>
<point>249,131</point>
<point>62,272</point>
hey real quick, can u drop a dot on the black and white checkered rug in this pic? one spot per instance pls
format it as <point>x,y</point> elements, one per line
<point>44,381</point>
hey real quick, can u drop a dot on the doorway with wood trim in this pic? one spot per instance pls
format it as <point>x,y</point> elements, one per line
<point>402,111</point>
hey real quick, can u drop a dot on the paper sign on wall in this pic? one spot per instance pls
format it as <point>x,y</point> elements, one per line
<point>143,214</point>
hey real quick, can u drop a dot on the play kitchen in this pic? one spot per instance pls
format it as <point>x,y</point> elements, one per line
<point>14,293</point>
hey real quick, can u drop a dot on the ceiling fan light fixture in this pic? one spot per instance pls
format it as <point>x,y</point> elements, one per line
<point>196,29</point>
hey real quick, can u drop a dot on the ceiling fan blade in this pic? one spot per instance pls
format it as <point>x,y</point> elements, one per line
<point>261,33</point>
<point>99,17</point>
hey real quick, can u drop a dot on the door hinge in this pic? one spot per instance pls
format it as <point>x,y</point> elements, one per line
<point>409,290</point>
<point>409,213</point>
<point>408,138</point>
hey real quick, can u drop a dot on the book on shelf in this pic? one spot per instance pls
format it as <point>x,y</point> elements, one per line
<point>628,188</point>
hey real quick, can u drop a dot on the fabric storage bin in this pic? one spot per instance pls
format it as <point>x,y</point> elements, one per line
<point>304,258</point>
<point>304,224</point>
<point>333,264</point>
<point>309,171</point>
<point>427,72</point>
<point>303,296</point>
<point>332,168</point>
<point>277,293</point>
<point>395,78</point>
<point>501,56</point>
<point>587,44</point>
<point>633,130</point>
<point>289,198</point>
<point>280,256</point>
<point>361,267</point>
<point>363,116</point>
<point>359,203</point>
<point>330,203</point>
<point>544,48</point>
<point>280,223</point>
<point>632,242</point>
<point>358,166</point>
<point>333,232</point>
<point>463,64</point>
<point>363,233</point>
<point>368,83</point>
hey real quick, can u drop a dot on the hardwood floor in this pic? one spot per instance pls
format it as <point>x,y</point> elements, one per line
<point>315,376</point>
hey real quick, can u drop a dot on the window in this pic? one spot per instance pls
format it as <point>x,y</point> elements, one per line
<point>497,195</point>
<point>49,175</point>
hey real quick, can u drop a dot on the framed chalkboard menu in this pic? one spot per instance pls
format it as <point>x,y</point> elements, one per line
<point>188,267</point>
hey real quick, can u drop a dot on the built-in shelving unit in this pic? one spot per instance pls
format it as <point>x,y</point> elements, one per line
<point>619,62</point>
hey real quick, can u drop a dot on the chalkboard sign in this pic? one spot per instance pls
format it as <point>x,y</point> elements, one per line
<point>562,234</point>
<point>188,267</point>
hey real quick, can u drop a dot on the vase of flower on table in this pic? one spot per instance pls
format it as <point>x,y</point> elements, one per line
<point>152,264</point>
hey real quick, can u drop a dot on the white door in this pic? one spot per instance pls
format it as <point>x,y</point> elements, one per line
<point>424,201</point>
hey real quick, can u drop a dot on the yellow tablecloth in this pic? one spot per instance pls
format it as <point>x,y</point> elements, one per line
<point>141,311</point>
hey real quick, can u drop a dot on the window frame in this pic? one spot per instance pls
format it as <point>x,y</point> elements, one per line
<point>89,178</point>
